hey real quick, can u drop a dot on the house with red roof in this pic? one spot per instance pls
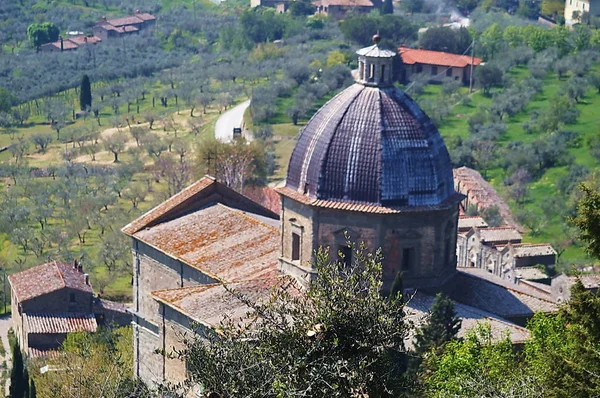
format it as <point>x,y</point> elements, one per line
<point>437,65</point>
<point>337,9</point>
<point>54,299</point>
<point>113,28</point>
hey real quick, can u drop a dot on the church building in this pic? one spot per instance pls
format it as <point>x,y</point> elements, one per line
<point>369,165</point>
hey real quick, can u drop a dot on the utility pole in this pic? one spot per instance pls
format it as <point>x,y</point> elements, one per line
<point>472,61</point>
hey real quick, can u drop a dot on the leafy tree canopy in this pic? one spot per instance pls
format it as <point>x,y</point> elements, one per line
<point>42,33</point>
<point>341,338</point>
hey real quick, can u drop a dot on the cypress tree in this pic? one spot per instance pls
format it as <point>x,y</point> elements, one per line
<point>25,383</point>
<point>387,7</point>
<point>32,390</point>
<point>85,93</point>
<point>442,326</point>
<point>17,388</point>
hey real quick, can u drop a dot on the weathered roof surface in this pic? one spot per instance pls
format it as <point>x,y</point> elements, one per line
<point>47,278</point>
<point>79,40</point>
<point>412,56</point>
<point>195,196</point>
<point>100,303</point>
<point>375,51</point>
<point>420,304</point>
<point>530,273</point>
<point>125,21</point>
<point>468,222</point>
<point>346,3</point>
<point>222,242</point>
<point>532,250</point>
<point>373,146</point>
<point>499,234</point>
<point>477,288</point>
<point>145,16</point>
<point>67,45</point>
<point>65,322</point>
<point>544,288</point>
<point>364,207</point>
<point>210,304</point>
<point>589,281</point>
<point>482,195</point>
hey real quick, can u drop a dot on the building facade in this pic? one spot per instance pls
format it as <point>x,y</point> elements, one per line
<point>54,299</point>
<point>436,66</point>
<point>369,167</point>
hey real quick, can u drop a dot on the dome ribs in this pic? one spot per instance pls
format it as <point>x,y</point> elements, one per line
<point>374,146</point>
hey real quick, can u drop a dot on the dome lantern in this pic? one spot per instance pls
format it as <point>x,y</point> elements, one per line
<point>375,65</point>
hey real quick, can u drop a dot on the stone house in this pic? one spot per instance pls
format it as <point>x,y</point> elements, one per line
<point>436,65</point>
<point>337,9</point>
<point>70,44</point>
<point>576,8</point>
<point>113,28</point>
<point>54,299</point>
<point>369,165</point>
<point>501,252</point>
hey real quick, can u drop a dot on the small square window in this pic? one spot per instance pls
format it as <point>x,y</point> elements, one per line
<point>434,70</point>
<point>449,72</point>
<point>408,257</point>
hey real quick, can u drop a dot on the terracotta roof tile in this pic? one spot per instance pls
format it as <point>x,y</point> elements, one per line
<point>419,306</point>
<point>66,322</point>
<point>79,40</point>
<point>166,206</point>
<point>532,250</point>
<point>47,278</point>
<point>222,242</point>
<point>210,304</point>
<point>125,21</point>
<point>499,234</point>
<point>362,207</point>
<point>468,222</point>
<point>412,56</point>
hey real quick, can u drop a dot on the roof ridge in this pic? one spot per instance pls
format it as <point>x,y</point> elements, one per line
<point>243,213</point>
<point>62,278</point>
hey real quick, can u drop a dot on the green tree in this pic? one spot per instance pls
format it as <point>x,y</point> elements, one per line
<point>341,338</point>
<point>42,33</point>
<point>587,219</point>
<point>387,7</point>
<point>6,100</point>
<point>488,76</point>
<point>85,94</point>
<point>477,366</point>
<point>17,380</point>
<point>441,327</point>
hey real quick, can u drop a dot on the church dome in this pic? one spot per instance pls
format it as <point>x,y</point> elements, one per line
<point>372,144</point>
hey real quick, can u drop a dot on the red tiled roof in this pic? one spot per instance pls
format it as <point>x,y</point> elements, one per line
<point>37,352</point>
<point>124,21</point>
<point>346,3</point>
<point>65,322</point>
<point>412,56</point>
<point>168,205</point>
<point>362,207</point>
<point>197,192</point>
<point>47,278</point>
<point>222,242</point>
<point>144,16</point>
<point>66,46</point>
<point>85,40</point>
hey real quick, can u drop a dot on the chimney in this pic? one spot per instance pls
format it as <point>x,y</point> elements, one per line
<point>87,279</point>
<point>62,44</point>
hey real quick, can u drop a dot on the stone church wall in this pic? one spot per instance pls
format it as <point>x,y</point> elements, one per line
<point>153,271</point>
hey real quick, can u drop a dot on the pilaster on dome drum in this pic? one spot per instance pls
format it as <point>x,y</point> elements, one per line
<point>372,144</point>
